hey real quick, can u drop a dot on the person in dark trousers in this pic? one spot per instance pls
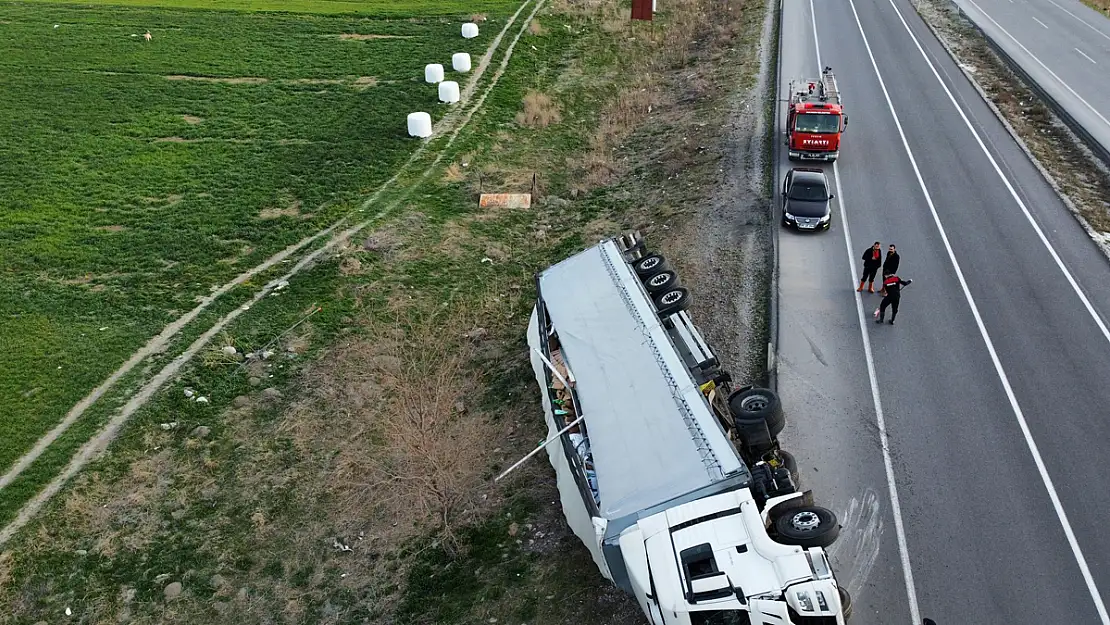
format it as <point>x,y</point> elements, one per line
<point>872,260</point>
<point>890,265</point>
<point>892,293</point>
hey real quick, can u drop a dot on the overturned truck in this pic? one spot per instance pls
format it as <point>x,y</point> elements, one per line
<point>673,480</point>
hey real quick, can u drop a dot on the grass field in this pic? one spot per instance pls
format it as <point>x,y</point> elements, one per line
<point>137,175</point>
<point>376,8</point>
<point>362,492</point>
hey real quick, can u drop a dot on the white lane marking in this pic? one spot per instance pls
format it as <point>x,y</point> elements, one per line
<point>1080,559</point>
<point>880,418</point>
<point>1009,187</point>
<point>1040,22</point>
<point>1086,57</point>
<point>1034,57</point>
<point>1089,25</point>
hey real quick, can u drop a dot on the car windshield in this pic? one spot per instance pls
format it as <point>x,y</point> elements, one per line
<point>818,124</point>
<point>720,617</point>
<point>808,192</point>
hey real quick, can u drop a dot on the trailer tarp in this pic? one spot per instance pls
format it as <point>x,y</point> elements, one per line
<point>653,438</point>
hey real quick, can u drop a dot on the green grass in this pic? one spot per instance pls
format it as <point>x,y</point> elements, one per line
<point>377,8</point>
<point>126,195</point>
<point>162,503</point>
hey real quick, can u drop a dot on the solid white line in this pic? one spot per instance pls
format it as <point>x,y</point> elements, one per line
<point>1034,57</point>
<point>1089,25</point>
<point>1040,22</point>
<point>880,418</point>
<point>1018,414</point>
<point>1086,57</point>
<point>1006,181</point>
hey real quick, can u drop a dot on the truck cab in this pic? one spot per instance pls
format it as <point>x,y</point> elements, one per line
<point>815,119</point>
<point>711,562</point>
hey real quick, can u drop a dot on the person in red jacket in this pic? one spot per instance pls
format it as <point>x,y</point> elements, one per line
<point>872,260</point>
<point>892,293</point>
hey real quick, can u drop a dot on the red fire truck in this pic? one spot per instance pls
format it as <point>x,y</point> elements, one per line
<point>815,119</point>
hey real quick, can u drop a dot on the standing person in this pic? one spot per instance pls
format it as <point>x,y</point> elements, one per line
<point>892,293</point>
<point>872,260</point>
<point>890,265</point>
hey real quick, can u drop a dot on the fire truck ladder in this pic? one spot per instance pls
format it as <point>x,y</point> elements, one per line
<point>828,86</point>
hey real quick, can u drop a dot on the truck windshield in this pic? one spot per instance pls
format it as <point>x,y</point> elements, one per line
<point>818,124</point>
<point>720,617</point>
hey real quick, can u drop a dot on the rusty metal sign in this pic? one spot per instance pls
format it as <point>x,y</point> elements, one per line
<point>642,9</point>
<point>505,200</point>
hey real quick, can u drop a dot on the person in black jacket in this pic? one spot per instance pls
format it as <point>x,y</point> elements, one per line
<point>892,293</point>
<point>872,260</point>
<point>890,265</point>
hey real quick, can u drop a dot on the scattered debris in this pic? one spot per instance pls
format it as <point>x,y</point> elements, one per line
<point>189,393</point>
<point>202,400</point>
<point>477,334</point>
<point>169,426</point>
<point>230,350</point>
<point>339,546</point>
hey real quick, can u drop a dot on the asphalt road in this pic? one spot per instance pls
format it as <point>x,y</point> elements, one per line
<point>960,418</point>
<point>1063,45</point>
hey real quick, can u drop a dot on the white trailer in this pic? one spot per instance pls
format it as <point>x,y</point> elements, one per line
<point>673,481</point>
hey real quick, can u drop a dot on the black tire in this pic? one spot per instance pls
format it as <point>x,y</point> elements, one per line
<point>672,300</point>
<point>757,404</point>
<point>845,602</point>
<point>650,264</point>
<point>661,281</point>
<point>811,526</point>
<point>790,464</point>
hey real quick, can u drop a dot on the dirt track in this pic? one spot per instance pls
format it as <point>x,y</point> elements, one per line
<point>453,123</point>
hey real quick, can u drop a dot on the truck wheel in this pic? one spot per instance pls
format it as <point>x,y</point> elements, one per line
<point>790,464</point>
<point>649,264</point>
<point>672,300</point>
<point>661,282</point>
<point>811,526</point>
<point>757,404</point>
<point>845,602</point>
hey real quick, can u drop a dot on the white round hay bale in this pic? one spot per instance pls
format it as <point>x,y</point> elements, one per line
<point>433,73</point>
<point>420,125</point>
<point>460,62</point>
<point>449,91</point>
<point>469,30</point>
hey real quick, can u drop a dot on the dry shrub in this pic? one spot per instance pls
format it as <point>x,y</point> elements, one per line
<point>454,173</point>
<point>427,470</point>
<point>540,111</point>
<point>535,28</point>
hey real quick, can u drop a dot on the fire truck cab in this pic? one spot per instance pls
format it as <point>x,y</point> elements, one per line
<point>815,119</point>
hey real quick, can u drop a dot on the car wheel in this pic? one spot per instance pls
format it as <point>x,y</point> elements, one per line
<point>661,282</point>
<point>671,301</point>
<point>811,526</point>
<point>650,264</point>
